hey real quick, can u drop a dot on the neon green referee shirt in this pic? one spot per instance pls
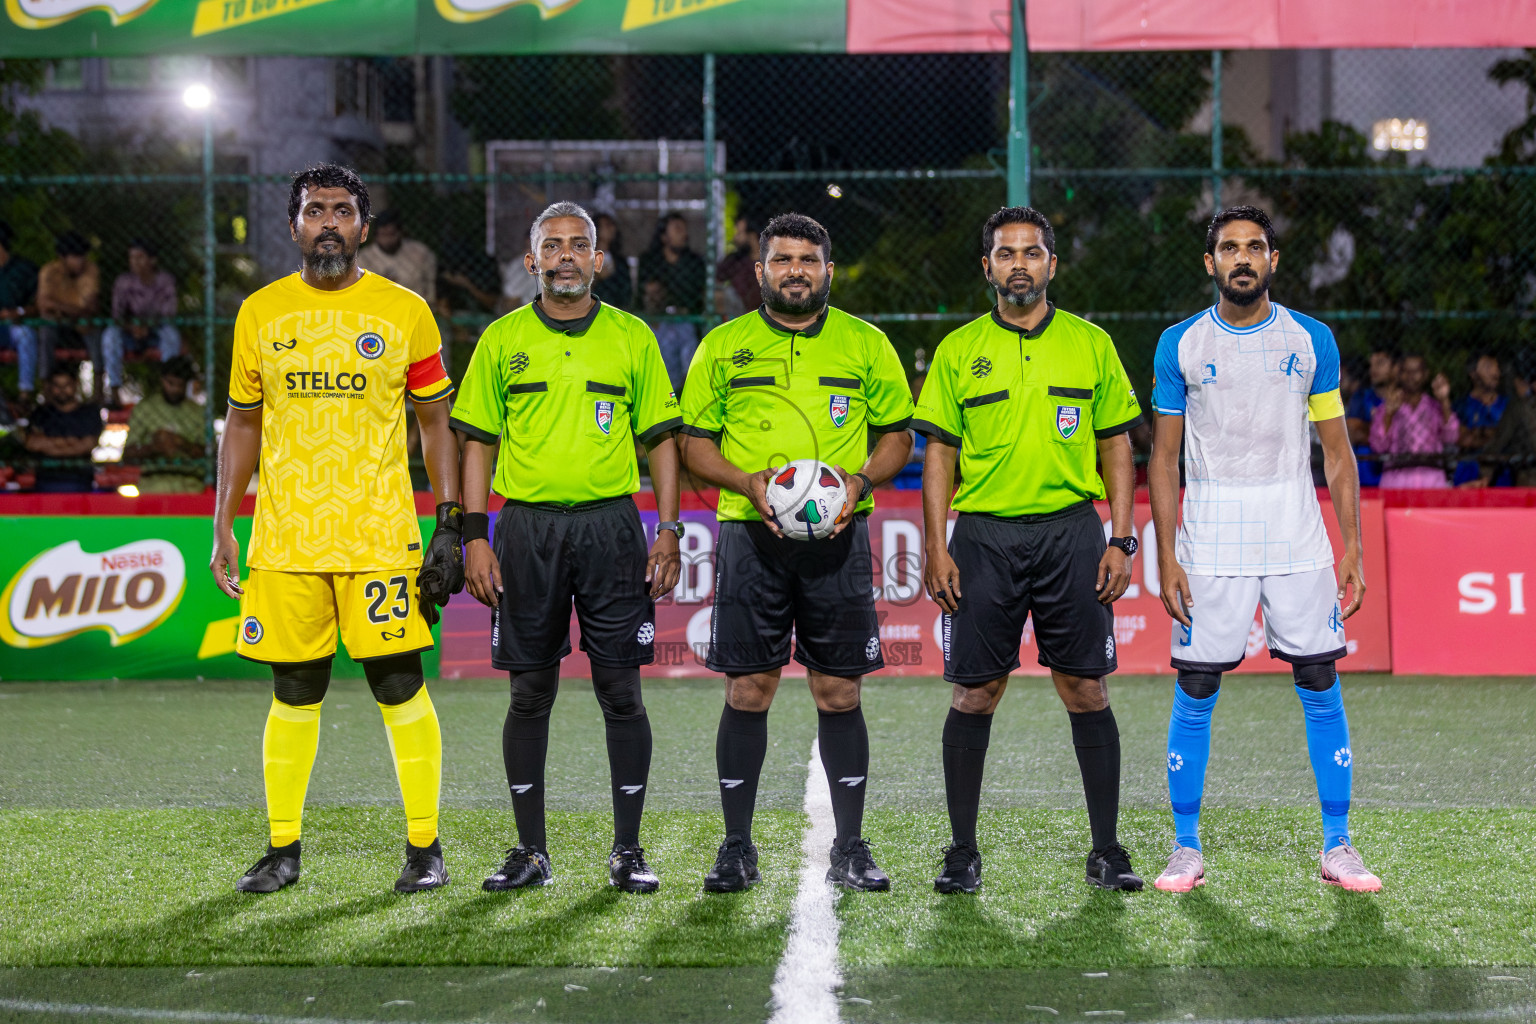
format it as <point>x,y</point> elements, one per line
<point>1024,408</point>
<point>566,398</point>
<point>769,395</point>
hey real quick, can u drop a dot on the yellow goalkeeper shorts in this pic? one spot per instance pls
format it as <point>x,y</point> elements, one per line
<point>293,616</point>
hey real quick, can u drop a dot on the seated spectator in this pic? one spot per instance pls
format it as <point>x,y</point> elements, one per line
<point>143,304</point>
<point>1413,428</point>
<point>1479,414</point>
<point>611,283</point>
<point>18,300</point>
<point>167,425</point>
<point>1515,434</point>
<point>64,427</point>
<point>679,269</point>
<point>739,268</point>
<point>1381,374</point>
<point>677,339</point>
<point>519,285</point>
<point>468,279</point>
<point>405,261</point>
<point>68,289</point>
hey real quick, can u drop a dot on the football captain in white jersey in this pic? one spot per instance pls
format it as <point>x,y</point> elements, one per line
<point>1237,384</point>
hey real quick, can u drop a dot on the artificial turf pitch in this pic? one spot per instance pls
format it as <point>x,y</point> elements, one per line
<point>130,808</point>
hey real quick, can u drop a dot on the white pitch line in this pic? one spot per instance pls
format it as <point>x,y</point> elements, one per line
<point>805,985</point>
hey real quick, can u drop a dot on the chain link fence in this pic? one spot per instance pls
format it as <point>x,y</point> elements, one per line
<point>1398,181</point>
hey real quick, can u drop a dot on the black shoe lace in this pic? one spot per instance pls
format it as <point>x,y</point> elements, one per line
<point>1118,860</point>
<point>418,859</point>
<point>634,858</point>
<point>515,856</point>
<point>959,856</point>
<point>857,852</point>
<point>732,851</point>
<point>266,863</point>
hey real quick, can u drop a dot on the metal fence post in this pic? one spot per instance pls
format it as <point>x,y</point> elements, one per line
<point>209,374</point>
<point>1018,110</point>
<point>711,214</point>
<point>1216,129</point>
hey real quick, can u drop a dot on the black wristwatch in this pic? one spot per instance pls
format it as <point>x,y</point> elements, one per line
<point>1126,544</point>
<point>865,487</point>
<point>675,526</point>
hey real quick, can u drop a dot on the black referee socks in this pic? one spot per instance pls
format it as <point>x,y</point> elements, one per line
<point>524,747</point>
<point>844,742</point>
<point>965,755</point>
<point>629,747</point>
<point>1097,739</point>
<point>740,746</point>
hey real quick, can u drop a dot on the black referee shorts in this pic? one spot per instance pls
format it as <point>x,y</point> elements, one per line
<point>1009,567</point>
<point>822,589</point>
<point>594,554</point>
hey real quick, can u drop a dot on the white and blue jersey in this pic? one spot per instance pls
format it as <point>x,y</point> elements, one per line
<point>1250,507</point>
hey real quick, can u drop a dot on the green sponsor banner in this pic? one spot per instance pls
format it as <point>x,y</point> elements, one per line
<point>126,597</point>
<point>122,28</point>
<point>86,28</point>
<point>631,26</point>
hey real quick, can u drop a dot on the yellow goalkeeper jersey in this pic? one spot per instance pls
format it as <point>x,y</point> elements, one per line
<point>330,371</point>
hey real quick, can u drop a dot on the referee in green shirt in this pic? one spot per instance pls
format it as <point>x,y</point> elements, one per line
<point>1027,397</point>
<point>794,379</point>
<point>567,384</point>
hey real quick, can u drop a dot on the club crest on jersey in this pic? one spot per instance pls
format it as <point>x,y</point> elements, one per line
<point>251,630</point>
<point>1067,419</point>
<point>839,410</point>
<point>604,416</point>
<point>370,345</point>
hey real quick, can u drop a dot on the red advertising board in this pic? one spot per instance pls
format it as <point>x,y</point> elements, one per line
<point>1459,590</point>
<point>909,621</point>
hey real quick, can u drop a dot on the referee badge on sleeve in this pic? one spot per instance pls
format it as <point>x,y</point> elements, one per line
<point>604,414</point>
<point>1067,419</point>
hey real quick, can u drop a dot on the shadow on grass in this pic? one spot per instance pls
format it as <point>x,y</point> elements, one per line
<point>206,931</point>
<point>967,923</point>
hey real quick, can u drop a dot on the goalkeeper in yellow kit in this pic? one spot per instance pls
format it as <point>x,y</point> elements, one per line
<point>323,362</point>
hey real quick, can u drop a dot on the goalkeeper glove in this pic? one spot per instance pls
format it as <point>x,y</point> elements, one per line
<point>442,569</point>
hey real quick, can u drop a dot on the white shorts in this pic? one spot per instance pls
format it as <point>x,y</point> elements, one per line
<point>1302,620</point>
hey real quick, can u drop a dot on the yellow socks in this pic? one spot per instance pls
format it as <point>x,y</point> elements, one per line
<point>288,753</point>
<point>417,745</point>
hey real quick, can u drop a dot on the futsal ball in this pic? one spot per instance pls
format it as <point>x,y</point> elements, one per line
<point>807,499</point>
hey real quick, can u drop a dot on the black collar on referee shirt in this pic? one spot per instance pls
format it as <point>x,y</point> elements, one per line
<point>804,332</point>
<point>1050,311</point>
<point>576,326</point>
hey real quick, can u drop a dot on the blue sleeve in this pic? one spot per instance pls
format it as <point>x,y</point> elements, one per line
<point>1326,351</point>
<point>1168,386</point>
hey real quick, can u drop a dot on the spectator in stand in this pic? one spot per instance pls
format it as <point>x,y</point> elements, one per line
<point>143,304</point>
<point>1382,374</point>
<point>739,268</point>
<point>611,284</point>
<point>68,290</point>
<point>680,270</point>
<point>471,279</point>
<point>677,339</point>
<point>64,427</point>
<point>1515,434</point>
<point>405,261</point>
<point>1413,428</point>
<point>519,285</point>
<point>1479,414</point>
<point>18,300</point>
<point>167,425</point>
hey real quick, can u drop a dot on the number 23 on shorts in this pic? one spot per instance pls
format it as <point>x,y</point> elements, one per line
<point>378,616</point>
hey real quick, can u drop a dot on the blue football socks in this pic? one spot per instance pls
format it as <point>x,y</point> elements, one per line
<point>1189,748</point>
<point>1328,748</point>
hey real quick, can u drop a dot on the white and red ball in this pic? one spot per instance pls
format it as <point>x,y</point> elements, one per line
<point>808,499</point>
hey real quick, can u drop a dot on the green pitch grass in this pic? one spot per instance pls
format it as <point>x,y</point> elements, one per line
<point>130,808</point>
